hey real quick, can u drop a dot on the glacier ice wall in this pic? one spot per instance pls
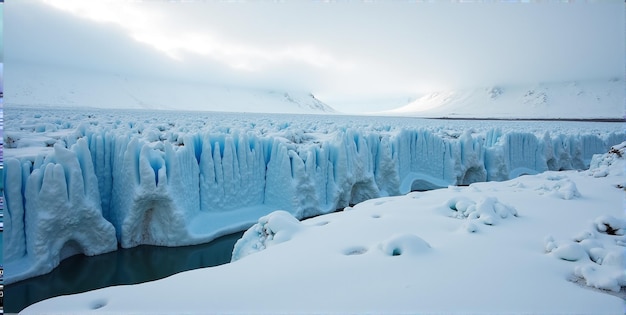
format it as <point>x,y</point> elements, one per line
<point>99,187</point>
<point>55,212</point>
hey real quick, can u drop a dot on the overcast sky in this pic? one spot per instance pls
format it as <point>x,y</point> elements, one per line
<point>353,56</point>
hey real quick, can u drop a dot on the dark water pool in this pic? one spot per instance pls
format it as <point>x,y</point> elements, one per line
<point>125,266</point>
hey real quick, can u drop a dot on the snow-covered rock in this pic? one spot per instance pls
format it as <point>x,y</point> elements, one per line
<point>612,162</point>
<point>600,251</point>
<point>570,251</point>
<point>487,210</point>
<point>272,229</point>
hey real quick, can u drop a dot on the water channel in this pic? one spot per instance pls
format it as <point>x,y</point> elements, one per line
<point>144,263</point>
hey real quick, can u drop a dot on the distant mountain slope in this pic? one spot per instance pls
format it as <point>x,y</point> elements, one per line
<point>570,100</point>
<point>31,85</point>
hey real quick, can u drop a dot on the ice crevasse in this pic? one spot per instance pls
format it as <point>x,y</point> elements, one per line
<point>101,188</point>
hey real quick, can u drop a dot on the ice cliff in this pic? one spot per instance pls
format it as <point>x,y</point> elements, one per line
<point>104,183</point>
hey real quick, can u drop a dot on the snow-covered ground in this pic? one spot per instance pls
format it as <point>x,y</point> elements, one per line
<point>584,99</point>
<point>547,243</point>
<point>84,180</point>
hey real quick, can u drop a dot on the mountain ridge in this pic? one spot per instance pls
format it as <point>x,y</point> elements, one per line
<point>584,99</point>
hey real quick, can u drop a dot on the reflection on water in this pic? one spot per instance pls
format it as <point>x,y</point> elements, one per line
<point>125,266</point>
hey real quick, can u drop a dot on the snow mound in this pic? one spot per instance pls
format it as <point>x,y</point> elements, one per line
<point>550,184</point>
<point>274,228</point>
<point>612,163</point>
<point>610,225</point>
<point>599,251</point>
<point>607,278</point>
<point>401,244</point>
<point>566,250</point>
<point>560,188</point>
<point>487,210</point>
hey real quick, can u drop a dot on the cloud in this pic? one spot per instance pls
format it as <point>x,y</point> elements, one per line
<point>344,51</point>
<point>176,36</point>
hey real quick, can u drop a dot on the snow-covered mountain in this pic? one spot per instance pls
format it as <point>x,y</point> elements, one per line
<point>592,99</point>
<point>50,86</point>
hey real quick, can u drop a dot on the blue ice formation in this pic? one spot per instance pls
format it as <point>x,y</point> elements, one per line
<point>103,188</point>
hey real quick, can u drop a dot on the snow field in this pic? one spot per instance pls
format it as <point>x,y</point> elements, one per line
<point>52,86</point>
<point>411,254</point>
<point>186,178</point>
